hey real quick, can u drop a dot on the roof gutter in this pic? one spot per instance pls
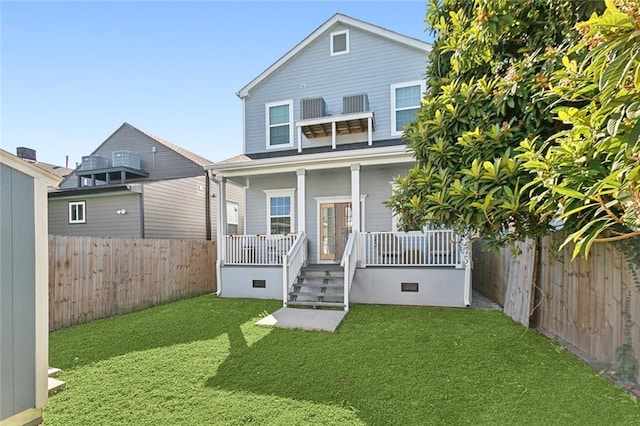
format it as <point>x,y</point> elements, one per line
<point>374,156</point>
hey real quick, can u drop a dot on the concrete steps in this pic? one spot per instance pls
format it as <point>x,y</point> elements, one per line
<point>55,385</point>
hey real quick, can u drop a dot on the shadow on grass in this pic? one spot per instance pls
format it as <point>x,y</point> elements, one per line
<point>199,318</point>
<point>399,365</point>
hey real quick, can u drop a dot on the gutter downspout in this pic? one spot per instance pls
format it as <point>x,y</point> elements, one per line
<point>207,206</point>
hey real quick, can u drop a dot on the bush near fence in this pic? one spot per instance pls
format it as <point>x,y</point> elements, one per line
<point>92,278</point>
<point>592,306</point>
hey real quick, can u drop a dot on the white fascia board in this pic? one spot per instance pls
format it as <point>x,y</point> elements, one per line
<point>337,18</point>
<point>330,160</point>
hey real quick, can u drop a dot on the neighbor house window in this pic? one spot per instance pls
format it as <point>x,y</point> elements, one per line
<point>279,118</point>
<point>339,42</point>
<point>77,212</point>
<point>405,102</point>
<point>280,211</point>
<point>233,218</point>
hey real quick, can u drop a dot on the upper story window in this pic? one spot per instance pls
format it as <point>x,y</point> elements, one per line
<point>339,42</point>
<point>77,212</point>
<point>279,118</point>
<point>280,211</point>
<point>405,102</point>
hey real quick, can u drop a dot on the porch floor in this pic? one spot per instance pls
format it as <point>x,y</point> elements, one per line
<point>305,319</point>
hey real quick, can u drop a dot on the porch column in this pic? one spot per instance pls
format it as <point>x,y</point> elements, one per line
<point>221,216</point>
<point>355,197</point>
<point>299,139</point>
<point>302,196</point>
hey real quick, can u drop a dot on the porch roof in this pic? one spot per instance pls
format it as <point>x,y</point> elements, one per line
<point>256,164</point>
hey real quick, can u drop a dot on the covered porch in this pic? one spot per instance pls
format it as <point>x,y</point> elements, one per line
<point>409,268</point>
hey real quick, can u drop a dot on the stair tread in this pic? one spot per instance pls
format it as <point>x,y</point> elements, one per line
<point>319,304</point>
<point>53,372</point>
<point>315,294</point>
<point>322,277</point>
<point>327,285</point>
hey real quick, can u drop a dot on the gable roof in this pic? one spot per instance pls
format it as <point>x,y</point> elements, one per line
<point>201,161</point>
<point>198,160</point>
<point>322,29</point>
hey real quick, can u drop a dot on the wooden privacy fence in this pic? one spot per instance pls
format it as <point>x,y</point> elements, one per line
<point>92,278</point>
<point>593,304</point>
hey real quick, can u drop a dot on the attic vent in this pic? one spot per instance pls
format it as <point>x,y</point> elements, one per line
<point>339,42</point>
<point>313,108</point>
<point>355,103</point>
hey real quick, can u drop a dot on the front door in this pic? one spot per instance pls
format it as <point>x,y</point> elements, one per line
<point>335,227</point>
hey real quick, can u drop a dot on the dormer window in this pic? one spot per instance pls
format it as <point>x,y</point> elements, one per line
<point>339,42</point>
<point>279,119</point>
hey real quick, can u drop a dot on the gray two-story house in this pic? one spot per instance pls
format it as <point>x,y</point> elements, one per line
<point>136,185</point>
<point>322,143</point>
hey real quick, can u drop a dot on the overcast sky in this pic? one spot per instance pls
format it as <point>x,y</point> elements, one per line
<point>73,72</point>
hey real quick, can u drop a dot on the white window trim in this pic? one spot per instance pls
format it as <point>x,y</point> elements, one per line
<point>423,88</point>
<point>273,193</point>
<point>84,212</point>
<point>336,33</point>
<point>268,126</point>
<point>237,207</point>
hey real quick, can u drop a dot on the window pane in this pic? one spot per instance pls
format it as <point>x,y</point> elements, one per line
<point>404,117</point>
<point>280,206</point>
<point>407,96</point>
<point>279,114</point>
<point>232,214</point>
<point>279,135</point>
<point>280,225</point>
<point>339,43</point>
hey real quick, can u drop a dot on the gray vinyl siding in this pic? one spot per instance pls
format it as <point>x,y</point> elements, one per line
<point>371,66</point>
<point>375,181</point>
<point>17,293</point>
<point>102,219</point>
<point>163,164</point>
<point>176,209</point>
<point>256,208</point>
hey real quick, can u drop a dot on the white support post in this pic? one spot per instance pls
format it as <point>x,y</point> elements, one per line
<point>299,139</point>
<point>221,217</point>
<point>355,197</point>
<point>333,135</point>
<point>370,130</point>
<point>301,175</point>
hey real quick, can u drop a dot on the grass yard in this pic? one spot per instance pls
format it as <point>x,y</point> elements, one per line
<point>202,361</point>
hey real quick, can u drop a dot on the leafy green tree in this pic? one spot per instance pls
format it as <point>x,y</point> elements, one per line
<point>490,63</point>
<point>589,174</point>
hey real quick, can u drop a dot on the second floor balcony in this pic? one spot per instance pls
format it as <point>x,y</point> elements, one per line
<point>317,123</point>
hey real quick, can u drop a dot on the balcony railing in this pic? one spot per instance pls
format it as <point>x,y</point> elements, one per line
<point>439,247</point>
<point>257,249</point>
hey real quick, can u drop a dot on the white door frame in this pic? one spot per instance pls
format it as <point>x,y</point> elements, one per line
<point>335,199</point>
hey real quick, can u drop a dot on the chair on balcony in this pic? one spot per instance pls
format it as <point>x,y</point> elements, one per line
<point>389,249</point>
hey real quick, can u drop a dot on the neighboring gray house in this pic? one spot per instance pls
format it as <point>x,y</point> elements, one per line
<point>24,290</point>
<point>322,144</point>
<point>136,185</point>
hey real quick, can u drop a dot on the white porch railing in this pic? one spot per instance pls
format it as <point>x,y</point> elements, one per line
<point>257,249</point>
<point>293,261</point>
<point>349,263</point>
<point>437,247</point>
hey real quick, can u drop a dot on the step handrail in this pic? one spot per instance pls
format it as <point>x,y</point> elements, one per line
<point>292,263</point>
<point>349,263</point>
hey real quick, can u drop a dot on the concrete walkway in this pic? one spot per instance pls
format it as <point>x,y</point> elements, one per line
<point>305,319</point>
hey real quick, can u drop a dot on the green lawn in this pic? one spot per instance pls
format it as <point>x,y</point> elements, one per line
<point>202,361</point>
